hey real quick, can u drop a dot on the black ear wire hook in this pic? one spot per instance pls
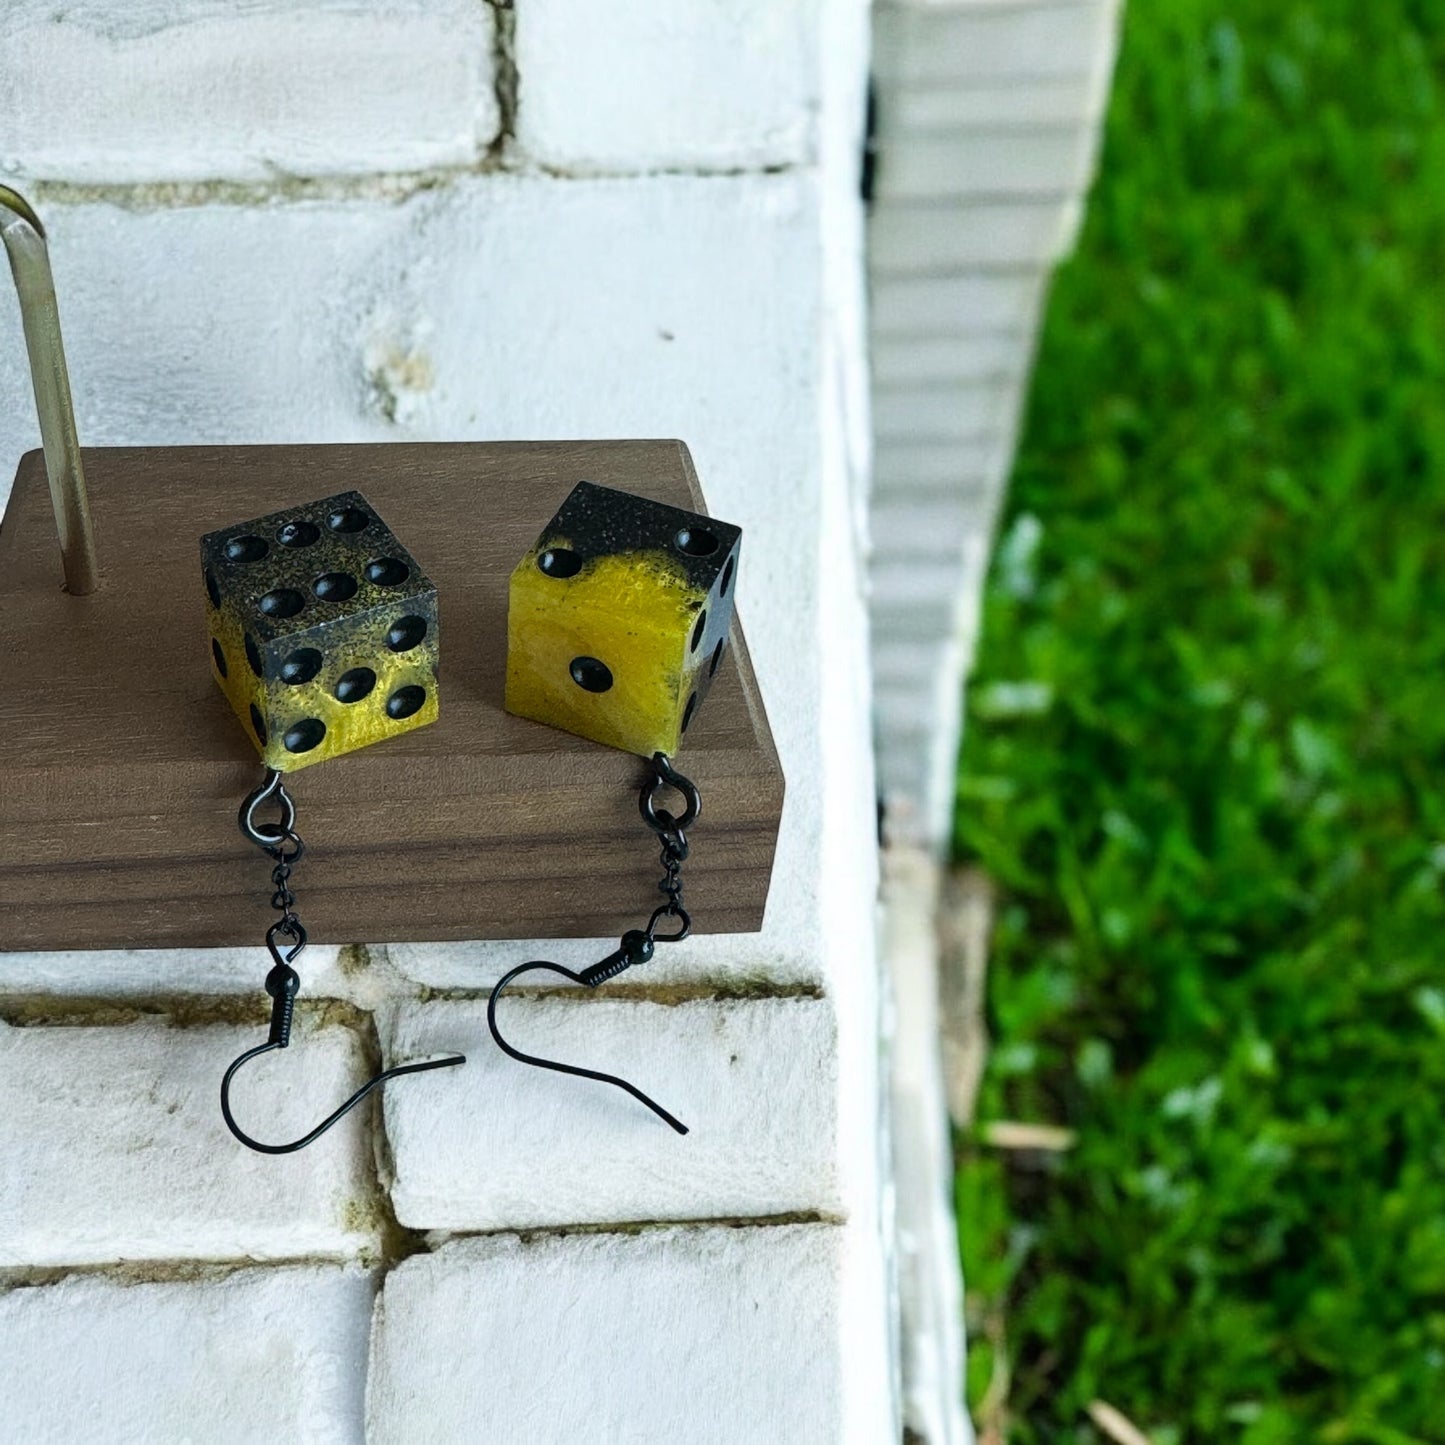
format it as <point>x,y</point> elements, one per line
<point>283,983</point>
<point>636,948</point>
<point>637,945</point>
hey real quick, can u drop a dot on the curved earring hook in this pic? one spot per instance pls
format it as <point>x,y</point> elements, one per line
<point>283,983</point>
<point>636,948</point>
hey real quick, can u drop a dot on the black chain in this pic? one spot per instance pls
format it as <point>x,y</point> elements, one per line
<point>282,844</point>
<point>282,898</point>
<point>637,944</point>
<point>674,854</point>
<point>672,831</point>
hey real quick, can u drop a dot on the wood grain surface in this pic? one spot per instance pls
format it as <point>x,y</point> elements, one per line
<point>121,766</point>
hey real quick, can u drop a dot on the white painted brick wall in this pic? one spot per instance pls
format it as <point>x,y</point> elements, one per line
<point>493,1146</point>
<point>138,973</point>
<point>433,219</point>
<point>651,85</point>
<point>713,1336</point>
<point>194,90</point>
<point>114,1149</point>
<point>228,1358</point>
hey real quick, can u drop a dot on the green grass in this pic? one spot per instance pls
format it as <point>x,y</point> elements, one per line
<point>1215,809</point>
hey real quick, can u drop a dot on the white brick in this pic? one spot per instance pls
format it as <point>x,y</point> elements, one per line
<point>711,1336</point>
<point>498,1145</point>
<point>112,1146</point>
<point>496,307</point>
<point>149,973</point>
<point>986,300</point>
<point>968,163</point>
<point>529,308</point>
<point>922,412</point>
<point>949,43</point>
<point>716,84</point>
<point>918,238</point>
<point>186,90</point>
<point>965,356</point>
<point>261,1354</point>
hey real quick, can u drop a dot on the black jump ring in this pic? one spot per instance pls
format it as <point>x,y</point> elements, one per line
<point>660,820</point>
<point>289,927</point>
<point>669,910</point>
<point>276,849</point>
<point>272,789</point>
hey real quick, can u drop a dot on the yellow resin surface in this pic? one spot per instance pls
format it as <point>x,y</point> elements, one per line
<point>348,725</point>
<point>632,611</point>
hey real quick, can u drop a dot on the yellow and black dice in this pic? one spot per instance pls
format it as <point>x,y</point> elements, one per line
<point>323,630</point>
<point>618,619</point>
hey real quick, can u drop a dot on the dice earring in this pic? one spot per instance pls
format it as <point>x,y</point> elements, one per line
<point>323,633</point>
<point>617,622</point>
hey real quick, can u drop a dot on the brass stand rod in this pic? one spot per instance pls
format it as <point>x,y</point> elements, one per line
<point>25,245</point>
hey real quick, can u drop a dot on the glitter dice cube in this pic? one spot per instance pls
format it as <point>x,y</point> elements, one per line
<point>618,619</point>
<point>323,630</point>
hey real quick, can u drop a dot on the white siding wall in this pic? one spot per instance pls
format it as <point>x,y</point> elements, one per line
<point>988,117</point>
<point>987,124</point>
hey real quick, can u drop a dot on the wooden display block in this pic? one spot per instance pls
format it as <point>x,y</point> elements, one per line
<point>122,767</point>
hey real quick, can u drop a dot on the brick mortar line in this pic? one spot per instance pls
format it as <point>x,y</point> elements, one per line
<point>668,995</point>
<point>188,1011</point>
<point>179,1011</point>
<point>506,80</point>
<point>172,1271</point>
<point>377,1214</point>
<point>393,187</point>
<point>379,1266</point>
<point>436,1240</point>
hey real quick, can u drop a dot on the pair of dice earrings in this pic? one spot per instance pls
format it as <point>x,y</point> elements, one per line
<point>324,638</point>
